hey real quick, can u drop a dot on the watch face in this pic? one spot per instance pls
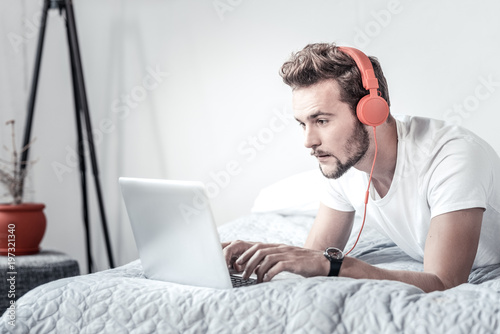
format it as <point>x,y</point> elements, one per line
<point>335,253</point>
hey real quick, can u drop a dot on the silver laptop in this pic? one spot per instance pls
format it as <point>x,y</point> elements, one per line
<point>175,233</point>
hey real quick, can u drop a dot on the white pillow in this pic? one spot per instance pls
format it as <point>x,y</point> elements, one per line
<point>297,194</point>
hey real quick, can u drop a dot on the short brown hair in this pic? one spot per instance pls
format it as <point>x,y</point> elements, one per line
<point>322,61</point>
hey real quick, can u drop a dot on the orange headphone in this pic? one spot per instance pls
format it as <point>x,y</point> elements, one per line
<point>372,109</point>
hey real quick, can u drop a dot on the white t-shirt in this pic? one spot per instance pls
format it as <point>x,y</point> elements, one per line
<point>440,168</point>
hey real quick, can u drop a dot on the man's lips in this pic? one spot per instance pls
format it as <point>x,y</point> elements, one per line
<point>321,156</point>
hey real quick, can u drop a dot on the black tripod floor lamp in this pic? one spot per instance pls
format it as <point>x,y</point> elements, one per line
<point>82,117</point>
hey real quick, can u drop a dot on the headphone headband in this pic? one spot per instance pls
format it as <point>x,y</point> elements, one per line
<point>364,64</point>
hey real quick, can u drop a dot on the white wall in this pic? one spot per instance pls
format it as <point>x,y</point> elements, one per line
<point>222,101</point>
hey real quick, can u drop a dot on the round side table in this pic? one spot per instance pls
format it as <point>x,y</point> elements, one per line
<point>19,274</point>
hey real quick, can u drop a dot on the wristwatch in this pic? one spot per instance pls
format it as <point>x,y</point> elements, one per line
<point>335,256</point>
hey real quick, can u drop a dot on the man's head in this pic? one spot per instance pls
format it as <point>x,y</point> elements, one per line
<point>327,86</point>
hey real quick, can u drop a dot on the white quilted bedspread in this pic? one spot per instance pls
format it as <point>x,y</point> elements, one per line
<point>121,300</point>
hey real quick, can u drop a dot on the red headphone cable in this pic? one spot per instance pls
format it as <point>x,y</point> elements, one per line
<point>367,191</point>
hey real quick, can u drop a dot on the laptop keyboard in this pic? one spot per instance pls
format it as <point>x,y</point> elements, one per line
<point>238,281</point>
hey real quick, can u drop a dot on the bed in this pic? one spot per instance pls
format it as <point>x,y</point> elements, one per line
<point>122,300</point>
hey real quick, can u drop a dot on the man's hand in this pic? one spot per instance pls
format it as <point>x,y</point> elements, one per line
<point>268,260</point>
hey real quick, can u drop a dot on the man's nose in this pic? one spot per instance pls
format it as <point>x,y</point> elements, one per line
<point>311,138</point>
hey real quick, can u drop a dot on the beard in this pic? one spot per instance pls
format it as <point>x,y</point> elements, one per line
<point>357,145</point>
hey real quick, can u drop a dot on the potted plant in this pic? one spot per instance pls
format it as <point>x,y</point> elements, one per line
<point>22,225</point>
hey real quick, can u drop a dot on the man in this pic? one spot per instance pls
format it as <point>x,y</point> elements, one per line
<point>435,188</point>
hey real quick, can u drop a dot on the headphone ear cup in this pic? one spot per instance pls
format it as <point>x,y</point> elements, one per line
<point>372,110</point>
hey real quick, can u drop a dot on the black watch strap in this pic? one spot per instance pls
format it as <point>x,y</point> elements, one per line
<point>334,268</point>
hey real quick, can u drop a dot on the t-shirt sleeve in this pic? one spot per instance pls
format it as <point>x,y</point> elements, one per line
<point>334,197</point>
<point>461,177</point>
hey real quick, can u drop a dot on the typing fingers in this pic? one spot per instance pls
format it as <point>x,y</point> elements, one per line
<point>232,251</point>
<point>262,256</point>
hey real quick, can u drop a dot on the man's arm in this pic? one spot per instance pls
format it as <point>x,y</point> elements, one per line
<point>331,228</point>
<point>450,250</point>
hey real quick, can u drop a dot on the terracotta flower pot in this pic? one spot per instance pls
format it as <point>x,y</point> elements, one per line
<point>21,228</point>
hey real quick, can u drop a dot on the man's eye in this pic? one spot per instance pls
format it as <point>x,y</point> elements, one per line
<point>302,125</point>
<point>322,121</point>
